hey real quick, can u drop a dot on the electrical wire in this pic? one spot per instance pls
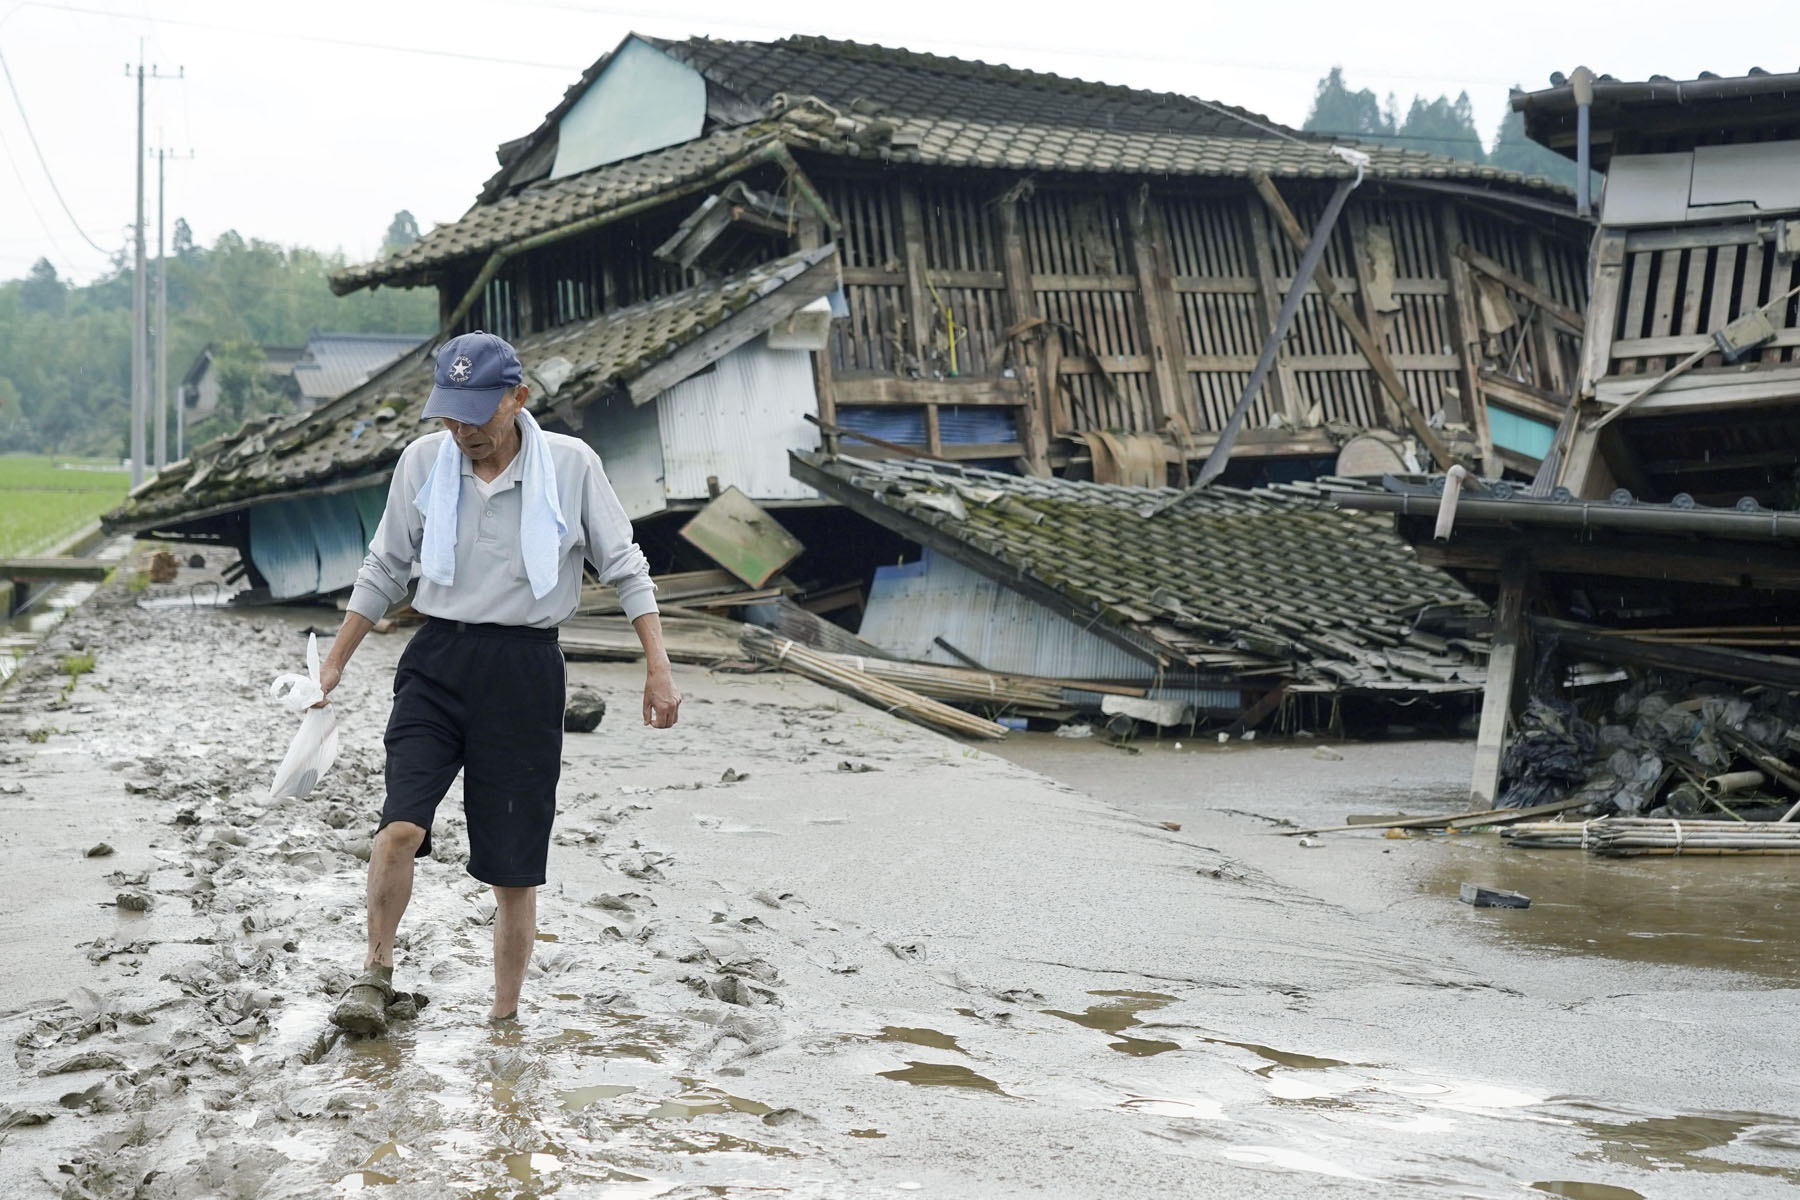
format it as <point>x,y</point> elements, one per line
<point>32,205</point>
<point>42,162</point>
<point>291,36</point>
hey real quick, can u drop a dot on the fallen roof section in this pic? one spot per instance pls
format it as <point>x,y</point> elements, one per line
<point>1275,583</point>
<point>354,440</point>
<point>1707,104</point>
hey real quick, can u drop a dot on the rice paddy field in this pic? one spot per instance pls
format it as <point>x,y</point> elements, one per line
<point>45,499</point>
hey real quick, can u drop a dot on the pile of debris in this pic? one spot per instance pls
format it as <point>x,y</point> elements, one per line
<point>1666,746</point>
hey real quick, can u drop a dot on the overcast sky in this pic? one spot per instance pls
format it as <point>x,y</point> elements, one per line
<point>312,123</point>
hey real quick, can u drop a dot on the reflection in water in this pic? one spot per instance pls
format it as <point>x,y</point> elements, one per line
<point>1280,1058</point>
<point>1577,1190</point>
<point>942,1075</point>
<point>576,1099</point>
<point>1142,1047</point>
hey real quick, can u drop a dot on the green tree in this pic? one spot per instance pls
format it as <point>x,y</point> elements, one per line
<point>65,352</point>
<point>402,232</point>
<point>1338,110</point>
<point>42,290</point>
<point>1443,126</point>
<point>183,239</point>
<point>1516,152</point>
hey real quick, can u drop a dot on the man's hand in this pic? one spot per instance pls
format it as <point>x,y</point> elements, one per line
<point>661,701</point>
<point>330,674</point>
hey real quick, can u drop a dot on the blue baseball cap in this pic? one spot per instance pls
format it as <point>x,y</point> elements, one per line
<point>473,372</point>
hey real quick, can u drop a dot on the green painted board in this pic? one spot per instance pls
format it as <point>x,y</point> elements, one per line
<point>742,538</point>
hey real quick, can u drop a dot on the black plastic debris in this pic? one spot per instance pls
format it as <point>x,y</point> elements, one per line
<point>1487,897</point>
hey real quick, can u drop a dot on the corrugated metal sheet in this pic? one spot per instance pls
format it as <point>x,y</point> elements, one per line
<point>958,425</point>
<point>337,531</point>
<point>999,628</point>
<point>737,422</point>
<point>336,362</point>
<point>304,547</point>
<point>283,550</point>
<point>630,447</point>
<point>371,502</point>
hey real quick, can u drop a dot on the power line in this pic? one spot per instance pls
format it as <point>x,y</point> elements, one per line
<point>32,204</point>
<point>42,162</point>
<point>289,35</point>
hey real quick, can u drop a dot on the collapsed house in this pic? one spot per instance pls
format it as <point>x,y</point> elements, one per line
<point>1645,583</point>
<point>713,254</point>
<point>1231,601</point>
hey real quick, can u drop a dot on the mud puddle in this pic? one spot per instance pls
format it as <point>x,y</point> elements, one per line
<point>1119,1012</point>
<point>1728,914</point>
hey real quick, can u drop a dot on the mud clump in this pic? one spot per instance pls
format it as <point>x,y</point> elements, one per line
<point>584,711</point>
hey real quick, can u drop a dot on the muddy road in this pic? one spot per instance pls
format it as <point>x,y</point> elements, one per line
<point>796,947</point>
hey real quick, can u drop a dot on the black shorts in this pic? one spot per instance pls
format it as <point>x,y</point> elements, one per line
<point>487,700</point>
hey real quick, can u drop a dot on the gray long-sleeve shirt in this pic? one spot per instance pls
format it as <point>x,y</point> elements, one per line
<point>490,585</point>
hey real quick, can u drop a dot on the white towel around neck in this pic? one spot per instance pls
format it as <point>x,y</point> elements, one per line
<point>541,524</point>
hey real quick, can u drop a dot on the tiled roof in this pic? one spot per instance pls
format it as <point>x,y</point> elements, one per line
<point>359,435</point>
<point>336,362</point>
<point>901,106</point>
<point>1276,578</point>
<point>906,82</point>
<point>548,205</point>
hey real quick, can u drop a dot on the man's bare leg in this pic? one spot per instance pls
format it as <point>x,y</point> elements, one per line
<point>363,1009</point>
<point>390,888</point>
<point>515,931</point>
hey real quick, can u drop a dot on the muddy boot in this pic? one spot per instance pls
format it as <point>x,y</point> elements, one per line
<point>363,1010</point>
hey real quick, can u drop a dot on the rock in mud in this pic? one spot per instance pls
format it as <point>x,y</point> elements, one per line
<point>101,850</point>
<point>133,901</point>
<point>584,711</point>
<point>15,1117</point>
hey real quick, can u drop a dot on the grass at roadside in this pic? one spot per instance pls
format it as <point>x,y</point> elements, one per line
<point>44,499</point>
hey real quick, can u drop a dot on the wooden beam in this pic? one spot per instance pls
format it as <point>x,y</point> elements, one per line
<point>1374,321</point>
<point>1711,662</point>
<point>1511,648</point>
<point>1268,305</point>
<point>1377,357</point>
<point>52,570</point>
<point>1719,564</point>
<point>887,390</point>
<point>1522,397</point>
<point>1155,292</point>
<point>919,319</point>
<point>1554,373</point>
<point>1468,337</point>
<point>1603,310</point>
<point>1034,415</point>
<point>729,334</point>
<point>811,234</point>
<point>1549,305</point>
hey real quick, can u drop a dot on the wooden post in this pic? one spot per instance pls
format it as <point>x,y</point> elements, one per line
<point>1374,321</point>
<point>1034,419</point>
<point>919,310</point>
<point>1581,469</point>
<point>1383,367</point>
<point>1468,336</point>
<point>1268,304</point>
<point>1503,677</point>
<point>1156,292</point>
<point>1555,376</point>
<point>810,234</point>
<point>525,302</point>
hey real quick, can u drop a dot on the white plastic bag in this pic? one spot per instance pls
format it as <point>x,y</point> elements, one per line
<point>314,748</point>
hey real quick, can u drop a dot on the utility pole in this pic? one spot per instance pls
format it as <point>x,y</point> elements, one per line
<point>163,398</point>
<point>140,299</point>
<point>139,351</point>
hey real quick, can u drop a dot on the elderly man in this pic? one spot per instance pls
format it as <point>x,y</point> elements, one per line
<point>498,515</point>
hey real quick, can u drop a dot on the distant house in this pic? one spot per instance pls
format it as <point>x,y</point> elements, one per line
<point>329,365</point>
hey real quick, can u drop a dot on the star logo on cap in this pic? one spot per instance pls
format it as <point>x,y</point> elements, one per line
<point>460,368</point>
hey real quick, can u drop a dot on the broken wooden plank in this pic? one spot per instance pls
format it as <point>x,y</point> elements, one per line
<point>1712,662</point>
<point>53,570</point>
<point>1470,820</point>
<point>1567,317</point>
